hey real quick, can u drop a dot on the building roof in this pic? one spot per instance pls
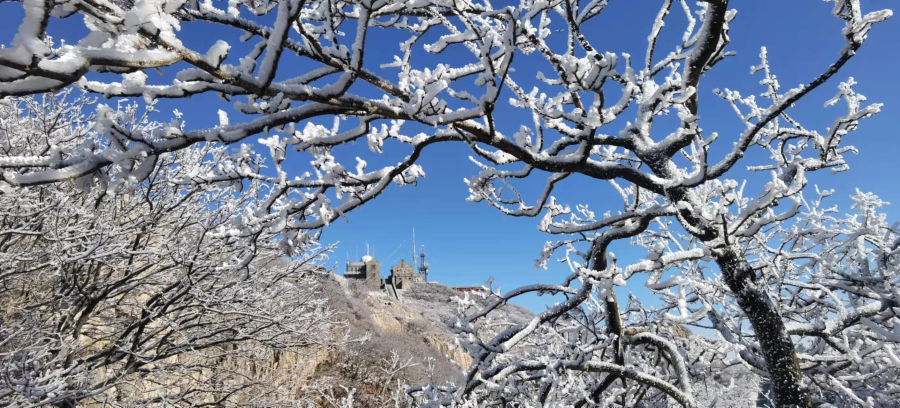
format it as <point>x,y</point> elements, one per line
<point>402,265</point>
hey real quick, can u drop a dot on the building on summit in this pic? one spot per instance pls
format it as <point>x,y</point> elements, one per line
<point>368,270</point>
<point>403,277</point>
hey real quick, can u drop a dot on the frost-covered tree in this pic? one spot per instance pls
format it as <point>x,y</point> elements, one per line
<point>719,251</point>
<point>141,293</point>
<point>832,278</point>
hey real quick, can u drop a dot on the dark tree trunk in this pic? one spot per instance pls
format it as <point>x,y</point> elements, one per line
<point>777,348</point>
<point>69,403</point>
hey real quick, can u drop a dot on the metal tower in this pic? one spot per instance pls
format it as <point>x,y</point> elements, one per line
<point>423,266</point>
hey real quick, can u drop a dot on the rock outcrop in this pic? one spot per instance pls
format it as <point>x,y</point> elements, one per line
<point>407,340</point>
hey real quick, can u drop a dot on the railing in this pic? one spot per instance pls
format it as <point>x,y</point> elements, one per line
<point>391,290</point>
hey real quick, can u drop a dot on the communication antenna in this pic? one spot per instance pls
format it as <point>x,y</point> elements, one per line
<point>423,266</point>
<point>415,262</point>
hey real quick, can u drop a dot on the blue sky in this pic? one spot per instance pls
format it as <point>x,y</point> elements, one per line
<point>468,242</point>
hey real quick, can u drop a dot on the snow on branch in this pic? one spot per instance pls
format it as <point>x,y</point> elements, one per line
<point>787,285</point>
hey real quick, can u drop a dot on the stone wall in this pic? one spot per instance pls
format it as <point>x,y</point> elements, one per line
<point>373,273</point>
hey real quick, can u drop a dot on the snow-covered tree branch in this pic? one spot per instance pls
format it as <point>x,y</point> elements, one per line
<point>140,293</point>
<point>747,261</point>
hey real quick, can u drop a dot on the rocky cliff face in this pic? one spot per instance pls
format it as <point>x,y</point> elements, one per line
<point>407,342</point>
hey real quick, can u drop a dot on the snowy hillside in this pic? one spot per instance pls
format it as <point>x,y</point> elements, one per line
<point>408,341</point>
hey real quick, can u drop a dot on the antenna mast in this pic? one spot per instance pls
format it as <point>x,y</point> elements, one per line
<point>415,263</point>
<point>423,266</point>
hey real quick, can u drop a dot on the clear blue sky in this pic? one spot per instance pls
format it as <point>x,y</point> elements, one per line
<point>468,242</point>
